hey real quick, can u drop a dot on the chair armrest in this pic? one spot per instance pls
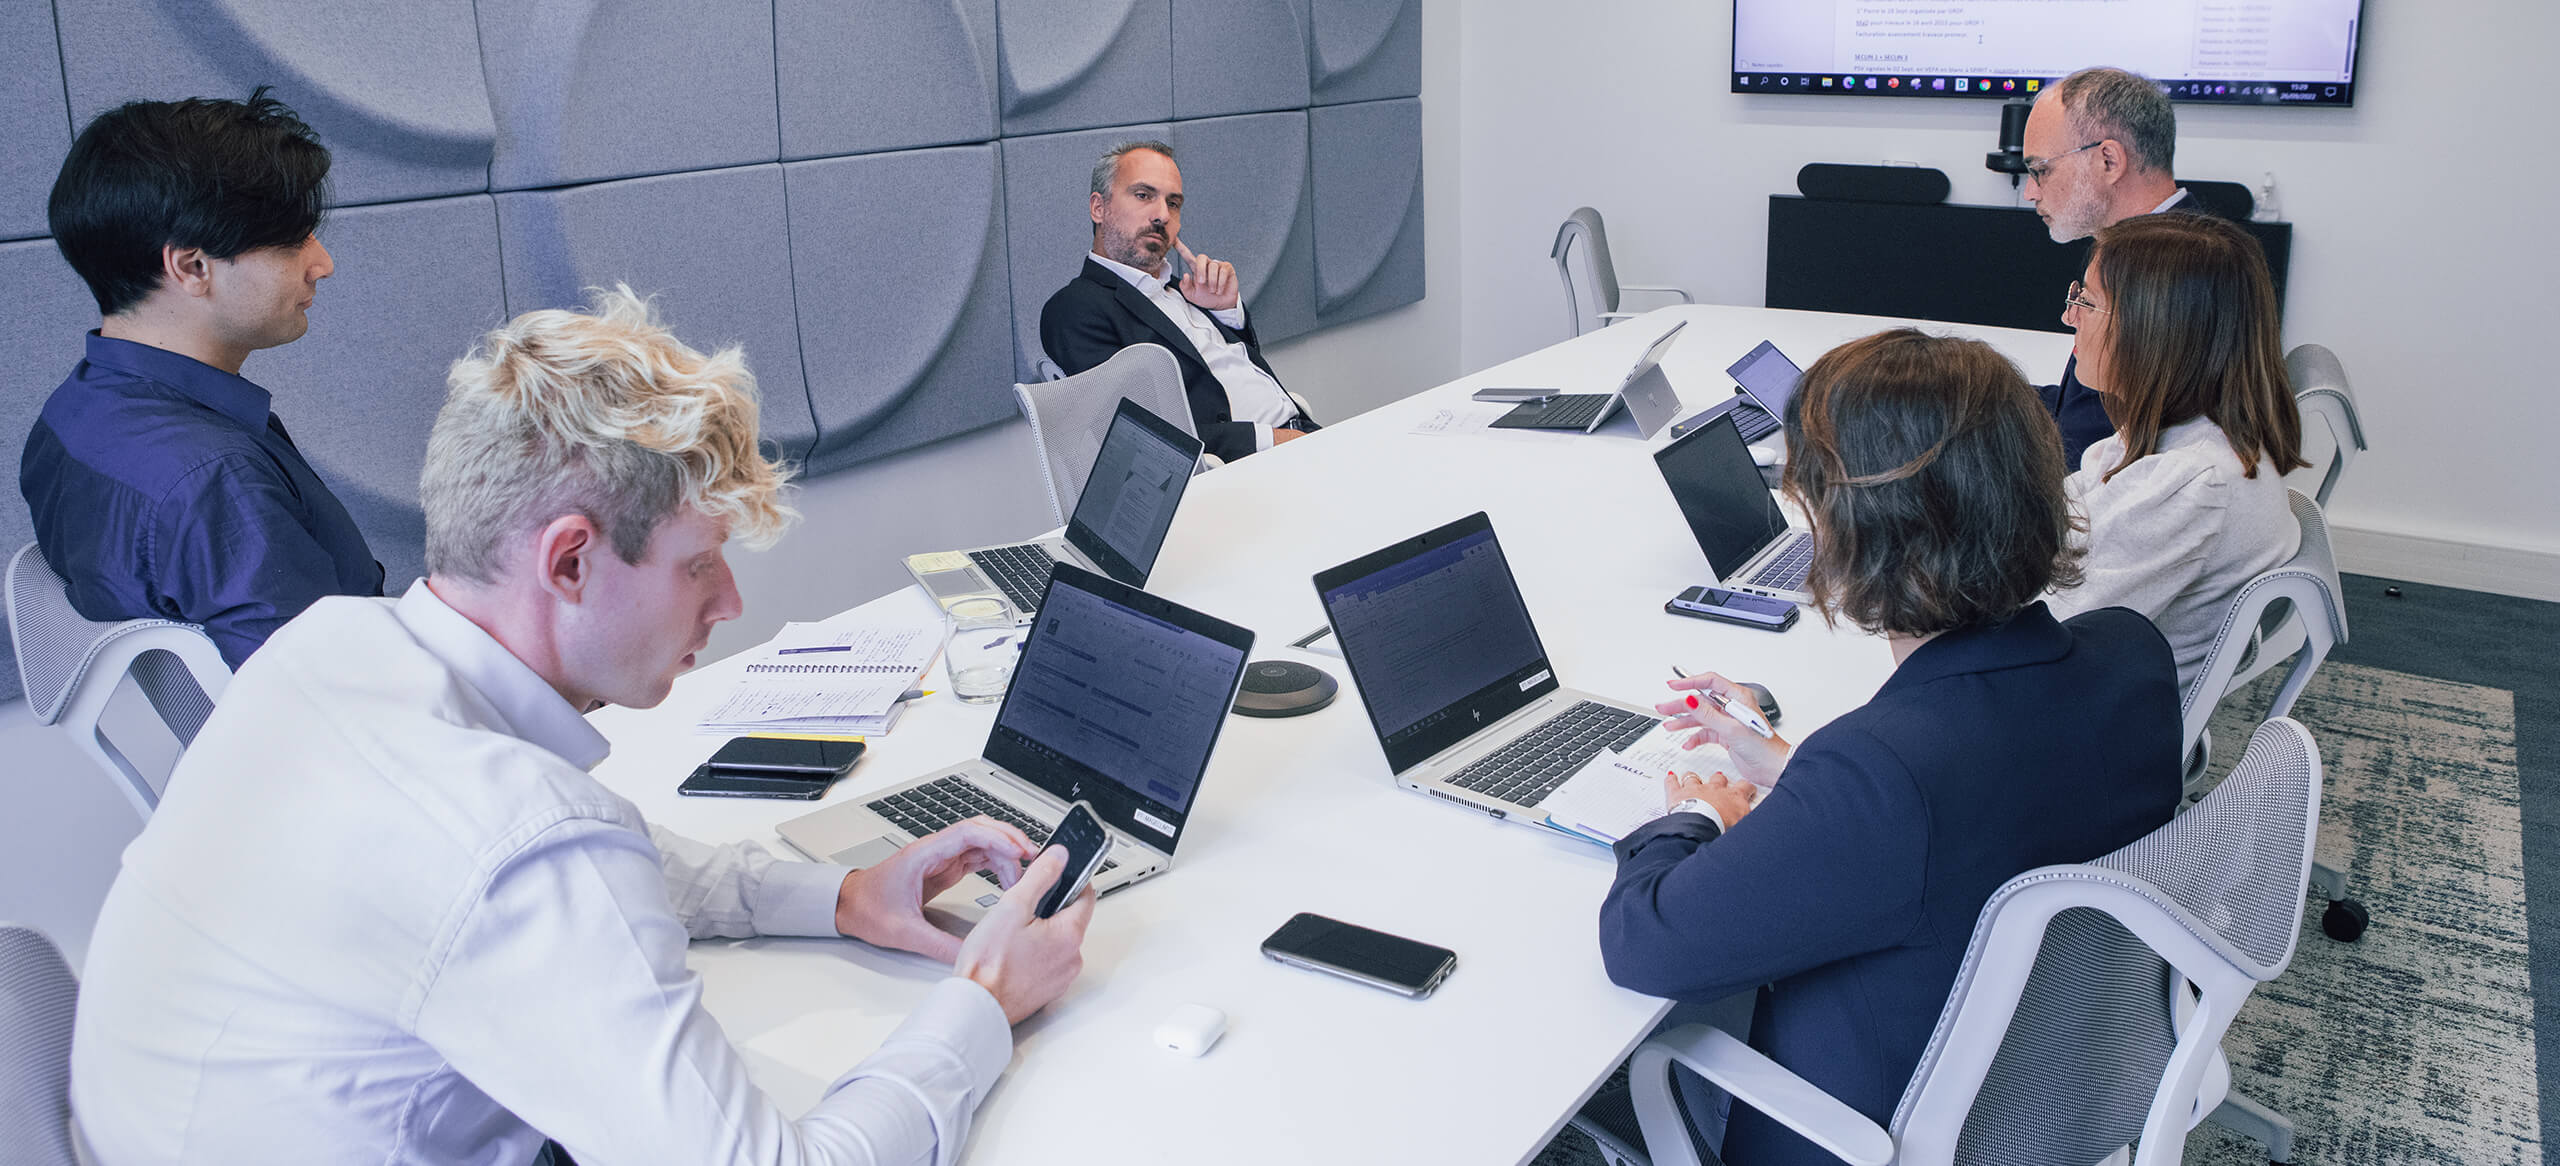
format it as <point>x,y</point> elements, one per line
<point>1752,1079</point>
<point>1685,297</point>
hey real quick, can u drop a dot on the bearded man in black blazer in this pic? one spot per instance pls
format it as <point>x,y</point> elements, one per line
<point>1123,297</point>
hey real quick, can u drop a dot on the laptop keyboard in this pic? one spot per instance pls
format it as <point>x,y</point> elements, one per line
<point>1021,572</point>
<point>945,800</point>
<point>1786,572</point>
<point>1531,767</point>
<point>1572,411</point>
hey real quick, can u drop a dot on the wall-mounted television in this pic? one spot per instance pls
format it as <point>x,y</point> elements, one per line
<point>2227,52</point>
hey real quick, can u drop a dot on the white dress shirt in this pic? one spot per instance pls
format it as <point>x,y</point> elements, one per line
<point>385,915</point>
<point>2175,535</point>
<point>1252,394</point>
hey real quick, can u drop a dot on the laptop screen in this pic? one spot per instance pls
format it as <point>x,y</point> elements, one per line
<point>1129,498</point>
<point>1768,376</point>
<point>1720,492</point>
<point>1437,638</point>
<point>1118,700</point>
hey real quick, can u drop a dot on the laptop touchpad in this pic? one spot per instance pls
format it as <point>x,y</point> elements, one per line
<point>866,854</point>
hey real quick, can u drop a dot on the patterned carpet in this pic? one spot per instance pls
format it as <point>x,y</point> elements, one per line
<point>2415,1044</point>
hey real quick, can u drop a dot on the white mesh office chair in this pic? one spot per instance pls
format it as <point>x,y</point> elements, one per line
<point>1070,416</point>
<point>2090,1008</point>
<point>2302,591</point>
<point>2320,388</point>
<point>37,998</point>
<point>1591,287</point>
<point>71,667</point>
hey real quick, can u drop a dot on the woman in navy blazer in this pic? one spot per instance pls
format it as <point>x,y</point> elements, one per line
<point>1841,878</point>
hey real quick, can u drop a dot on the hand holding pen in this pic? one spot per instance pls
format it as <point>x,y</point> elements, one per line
<point>1725,713</point>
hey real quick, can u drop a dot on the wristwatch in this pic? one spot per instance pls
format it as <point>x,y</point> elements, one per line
<point>1699,806</point>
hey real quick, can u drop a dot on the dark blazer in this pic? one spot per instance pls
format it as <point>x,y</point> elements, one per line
<point>1849,895</point>
<point>2076,407</point>
<point>1097,314</point>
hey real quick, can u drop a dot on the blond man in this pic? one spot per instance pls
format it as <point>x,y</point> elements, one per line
<point>385,915</point>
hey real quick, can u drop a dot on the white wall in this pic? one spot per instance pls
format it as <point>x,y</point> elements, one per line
<point>2422,249</point>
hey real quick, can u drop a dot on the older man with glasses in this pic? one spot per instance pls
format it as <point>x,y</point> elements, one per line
<point>2099,144</point>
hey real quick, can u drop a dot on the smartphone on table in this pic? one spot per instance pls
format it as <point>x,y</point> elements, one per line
<point>1353,952</point>
<point>792,768</point>
<point>1751,611</point>
<point>1087,842</point>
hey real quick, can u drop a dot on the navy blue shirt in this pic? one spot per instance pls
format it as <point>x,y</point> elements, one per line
<point>1849,895</point>
<point>2079,410</point>
<point>163,488</point>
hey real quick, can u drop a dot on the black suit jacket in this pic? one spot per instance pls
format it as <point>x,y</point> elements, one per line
<point>2076,407</point>
<point>1097,314</point>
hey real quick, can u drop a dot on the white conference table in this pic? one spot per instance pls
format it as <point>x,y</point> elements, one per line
<point>1301,814</point>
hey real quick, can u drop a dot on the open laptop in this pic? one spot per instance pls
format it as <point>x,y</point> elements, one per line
<point>1647,393</point>
<point>1117,700</point>
<point>1457,685</point>
<point>1119,524</point>
<point>1748,542</point>
<point>1767,379</point>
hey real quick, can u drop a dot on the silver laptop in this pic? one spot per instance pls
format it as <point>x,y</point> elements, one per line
<point>1457,684</point>
<point>1746,537</point>
<point>1119,524</point>
<point>1117,701</point>
<point>1648,396</point>
<point>1764,381</point>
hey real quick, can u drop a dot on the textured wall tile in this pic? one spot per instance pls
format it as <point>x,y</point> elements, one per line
<point>1367,161</point>
<point>1076,64</point>
<point>869,75</point>
<point>392,86</point>
<point>34,129</point>
<point>1246,201</point>
<point>1239,56</point>
<point>587,90</point>
<point>1366,50</point>
<point>903,301</point>
<point>710,247</point>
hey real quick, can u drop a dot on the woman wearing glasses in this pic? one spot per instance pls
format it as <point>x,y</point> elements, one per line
<point>2176,318</point>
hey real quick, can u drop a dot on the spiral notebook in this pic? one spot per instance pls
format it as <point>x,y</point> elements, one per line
<point>842,676</point>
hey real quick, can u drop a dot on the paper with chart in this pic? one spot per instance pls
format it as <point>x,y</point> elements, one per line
<point>843,675</point>
<point>1621,789</point>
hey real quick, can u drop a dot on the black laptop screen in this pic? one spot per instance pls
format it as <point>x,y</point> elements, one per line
<point>1437,637</point>
<point>1721,494</point>
<point>1118,699</point>
<point>1128,501</point>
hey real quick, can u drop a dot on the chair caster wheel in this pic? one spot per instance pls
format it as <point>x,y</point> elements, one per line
<point>2345,920</point>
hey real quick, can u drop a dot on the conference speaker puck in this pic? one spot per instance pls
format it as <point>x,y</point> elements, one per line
<point>1283,688</point>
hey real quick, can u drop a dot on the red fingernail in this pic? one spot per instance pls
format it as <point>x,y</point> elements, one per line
<point>1693,700</point>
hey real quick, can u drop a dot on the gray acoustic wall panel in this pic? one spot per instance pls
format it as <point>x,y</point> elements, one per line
<point>1367,161</point>
<point>586,90</point>
<point>712,248</point>
<point>1048,181</point>
<point>1239,56</point>
<point>1075,64</point>
<point>392,86</point>
<point>417,283</point>
<point>903,301</point>
<point>35,129</point>
<point>44,311</point>
<point>1365,50</point>
<point>1246,201</point>
<point>884,74</point>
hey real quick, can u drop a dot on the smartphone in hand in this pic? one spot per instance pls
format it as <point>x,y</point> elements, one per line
<point>1087,842</point>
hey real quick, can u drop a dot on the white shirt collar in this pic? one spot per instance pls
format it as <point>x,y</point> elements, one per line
<point>534,711</point>
<point>2170,201</point>
<point>1145,283</point>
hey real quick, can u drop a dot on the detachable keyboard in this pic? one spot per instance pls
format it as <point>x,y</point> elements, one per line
<point>1531,767</point>
<point>1752,421</point>
<point>944,800</point>
<point>1786,571</point>
<point>1569,411</point>
<point>1021,572</point>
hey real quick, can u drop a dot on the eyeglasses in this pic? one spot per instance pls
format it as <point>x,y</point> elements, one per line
<point>2078,301</point>
<point>2038,170</point>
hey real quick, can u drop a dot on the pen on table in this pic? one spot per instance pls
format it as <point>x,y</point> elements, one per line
<point>819,648</point>
<point>913,694</point>
<point>1749,716</point>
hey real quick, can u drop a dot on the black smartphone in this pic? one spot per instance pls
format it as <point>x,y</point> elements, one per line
<point>1353,952</point>
<point>1751,611</point>
<point>707,782</point>
<point>1086,841</point>
<point>786,755</point>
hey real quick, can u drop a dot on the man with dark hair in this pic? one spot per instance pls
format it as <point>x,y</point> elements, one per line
<point>2099,145</point>
<point>1122,298</point>
<point>161,484</point>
